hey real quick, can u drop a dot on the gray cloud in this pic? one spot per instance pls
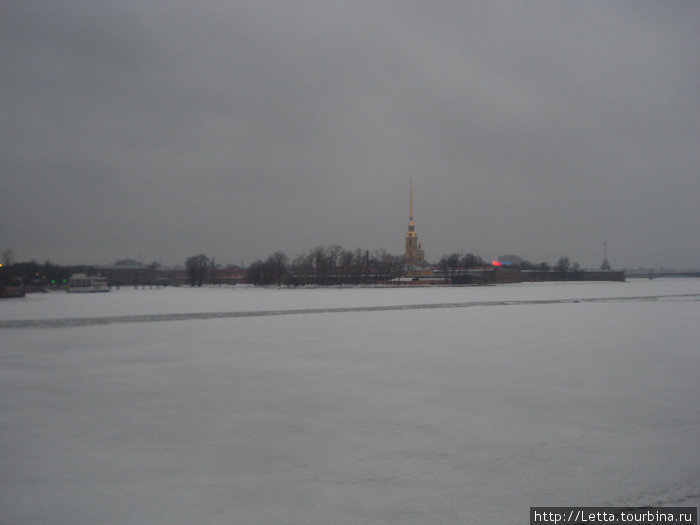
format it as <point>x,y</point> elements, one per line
<point>166,129</point>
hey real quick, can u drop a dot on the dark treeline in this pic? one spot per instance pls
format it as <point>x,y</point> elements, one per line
<point>455,267</point>
<point>326,266</point>
<point>452,266</point>
<point>321,266</point>
<point>34,274</point>
<point>455,263</point>
<point>333,265</point>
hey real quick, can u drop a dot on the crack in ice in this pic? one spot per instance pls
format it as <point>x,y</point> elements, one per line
<point>155,318</point>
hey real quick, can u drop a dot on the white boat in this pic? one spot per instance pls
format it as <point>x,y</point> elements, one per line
<point>81,283</point>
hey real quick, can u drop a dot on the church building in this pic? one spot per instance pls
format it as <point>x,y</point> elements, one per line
<point>414,252</point>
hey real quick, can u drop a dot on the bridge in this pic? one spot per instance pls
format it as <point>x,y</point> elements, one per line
<point>654,274</point>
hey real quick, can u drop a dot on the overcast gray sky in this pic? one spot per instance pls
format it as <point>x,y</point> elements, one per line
<point>160,130</point>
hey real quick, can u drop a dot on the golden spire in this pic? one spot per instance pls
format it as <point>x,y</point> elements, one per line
<point>411,224</point>
<point>413,251</point>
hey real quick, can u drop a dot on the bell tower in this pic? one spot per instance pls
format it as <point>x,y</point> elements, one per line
<point>413,251</point>
<point>606,265</point>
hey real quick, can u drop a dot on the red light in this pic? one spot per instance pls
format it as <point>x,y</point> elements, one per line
<point>496,263</point>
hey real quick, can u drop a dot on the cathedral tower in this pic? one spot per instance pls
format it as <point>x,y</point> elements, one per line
<point>413,251</point>
<point>606,265</point>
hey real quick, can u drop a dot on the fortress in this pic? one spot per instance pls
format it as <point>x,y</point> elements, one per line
<point>415,269</point>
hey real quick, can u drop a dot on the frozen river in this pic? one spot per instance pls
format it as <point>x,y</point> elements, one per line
<point>348,406</point>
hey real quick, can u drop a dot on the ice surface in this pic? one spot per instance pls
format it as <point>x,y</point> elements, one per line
<point>455,415</point>
<point>130,301</point>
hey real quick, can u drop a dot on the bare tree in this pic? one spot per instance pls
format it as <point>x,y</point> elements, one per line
<point>197,267</point>
<point>277,266</point>
<point>7,257</point>
<point>472,261</point>
<point>449,264</point>
<point>562,265</point>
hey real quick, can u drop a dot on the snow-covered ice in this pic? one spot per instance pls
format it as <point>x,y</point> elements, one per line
<point>450,415</point>
<point>129,301</point>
